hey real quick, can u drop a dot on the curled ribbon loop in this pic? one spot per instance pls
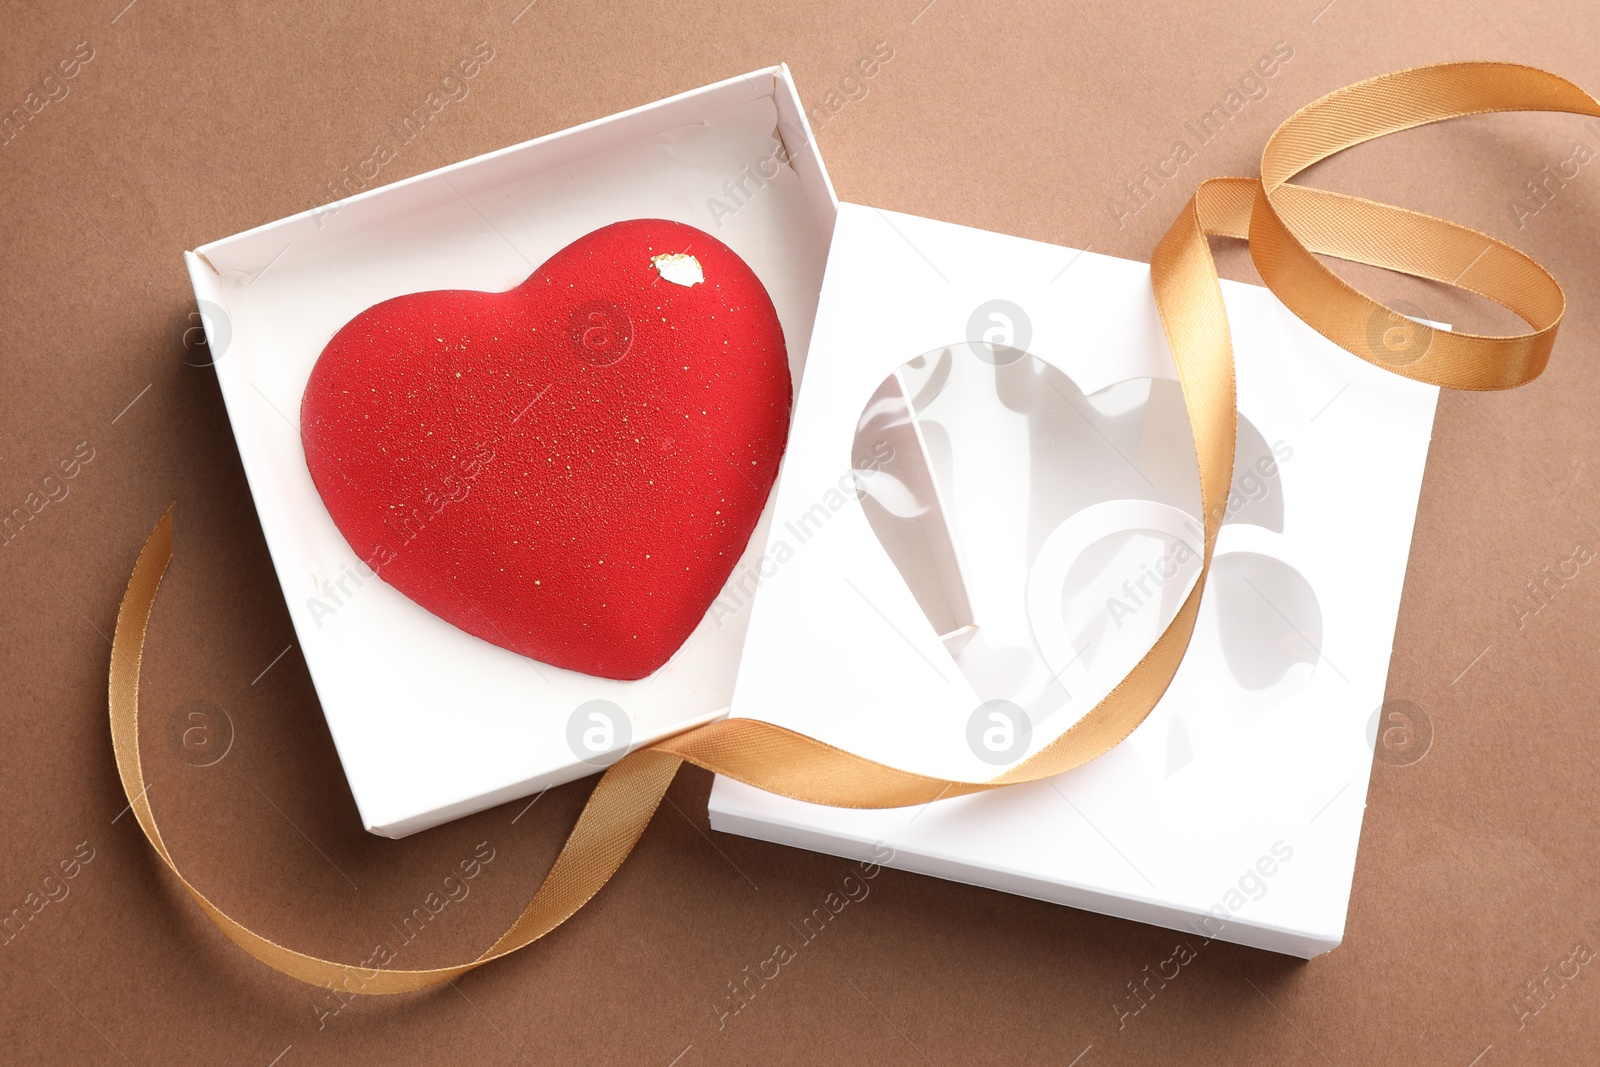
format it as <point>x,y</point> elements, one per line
<point>1290,222</point>
<point>1287,226</point>
<point>610,825</point>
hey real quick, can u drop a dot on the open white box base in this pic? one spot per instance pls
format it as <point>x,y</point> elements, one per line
<point>430,722</point>
<point>1235,810</point>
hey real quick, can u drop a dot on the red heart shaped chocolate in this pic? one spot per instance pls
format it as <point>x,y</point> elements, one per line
<point>571,468</point>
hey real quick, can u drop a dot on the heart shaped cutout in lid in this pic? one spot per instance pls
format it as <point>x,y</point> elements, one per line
<point>1049,536</point>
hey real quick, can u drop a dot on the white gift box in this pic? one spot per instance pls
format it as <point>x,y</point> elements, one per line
<point>986,513</point>
<point>430,722</point>
<point>986,516</point>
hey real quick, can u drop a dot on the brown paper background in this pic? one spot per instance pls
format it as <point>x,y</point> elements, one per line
<point>194,121</point>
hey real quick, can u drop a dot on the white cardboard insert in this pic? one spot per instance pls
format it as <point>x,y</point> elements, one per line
<point>1234,811</point>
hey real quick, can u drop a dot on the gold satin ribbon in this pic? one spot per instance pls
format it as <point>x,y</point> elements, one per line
<point>1287,225</point>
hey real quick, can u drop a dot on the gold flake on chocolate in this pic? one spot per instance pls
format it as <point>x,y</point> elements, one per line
<point>679,268</point>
